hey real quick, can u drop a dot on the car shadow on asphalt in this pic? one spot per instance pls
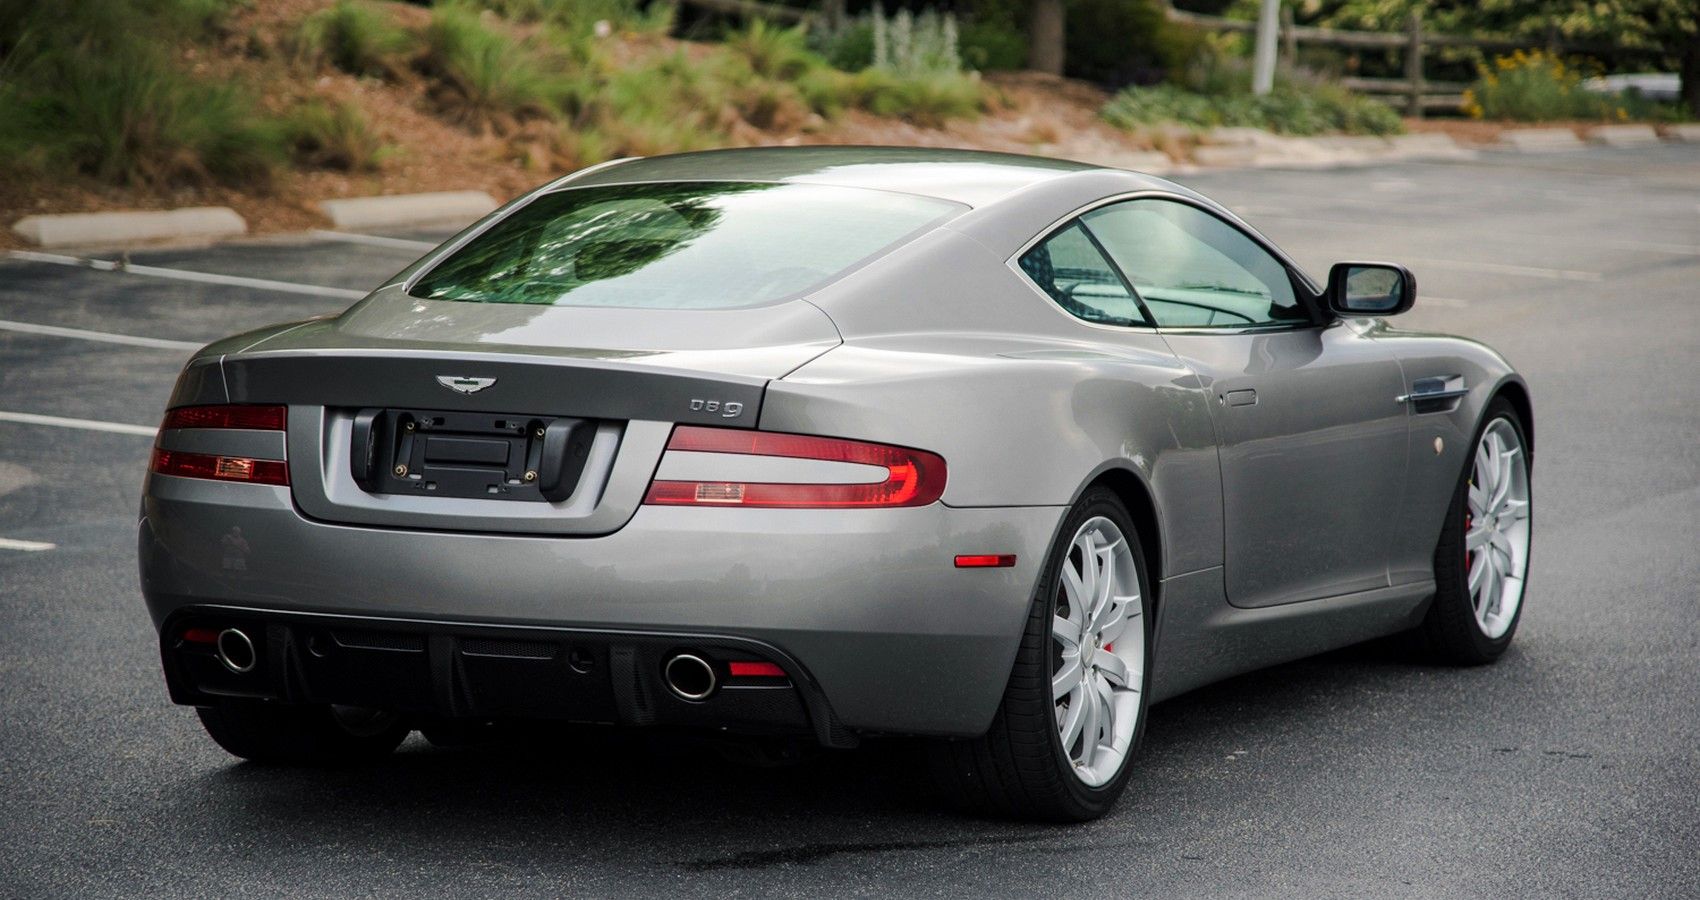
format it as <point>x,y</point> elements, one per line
<point>583,796</point>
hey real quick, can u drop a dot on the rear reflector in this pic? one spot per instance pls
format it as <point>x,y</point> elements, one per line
<point>913,477</point>
<point>220,468</point>
<point>985,561</point>
<point>260,418</point>
<point>754,670</point>
<point>200,635</point>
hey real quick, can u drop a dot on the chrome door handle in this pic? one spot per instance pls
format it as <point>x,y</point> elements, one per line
<point>1434,387</point>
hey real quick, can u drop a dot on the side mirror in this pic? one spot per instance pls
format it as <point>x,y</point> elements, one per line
<point>1370,289</point>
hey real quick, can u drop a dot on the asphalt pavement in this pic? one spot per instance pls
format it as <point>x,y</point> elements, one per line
<point>1569,769</point>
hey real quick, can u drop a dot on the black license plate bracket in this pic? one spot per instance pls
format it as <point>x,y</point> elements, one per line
<point>450,453</point>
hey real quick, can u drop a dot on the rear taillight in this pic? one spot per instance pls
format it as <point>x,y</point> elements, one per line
<point>259,418</point>
<point>218,467</point>
<point>912,477</point>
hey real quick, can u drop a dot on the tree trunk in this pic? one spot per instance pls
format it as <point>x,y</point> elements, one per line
<point>1045,37</point>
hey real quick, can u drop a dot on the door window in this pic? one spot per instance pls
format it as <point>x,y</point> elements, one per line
<point>1069,267</point>
<point>1194,270</point>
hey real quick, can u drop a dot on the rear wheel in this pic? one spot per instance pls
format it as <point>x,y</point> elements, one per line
<point>1481,564</point>
<point>303,735</point>
<point>1074,710</point>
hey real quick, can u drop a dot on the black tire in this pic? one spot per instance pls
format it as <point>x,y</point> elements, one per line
<point>282,734</point>
<point>1019,767</point>
<point>1449,632</point>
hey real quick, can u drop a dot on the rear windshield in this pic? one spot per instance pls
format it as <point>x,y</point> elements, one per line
<point>712,245</point>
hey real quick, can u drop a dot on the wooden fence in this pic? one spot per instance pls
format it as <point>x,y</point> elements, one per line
<point>1414,92</point>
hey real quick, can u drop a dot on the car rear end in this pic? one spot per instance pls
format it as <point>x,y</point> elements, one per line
<point>485,510</point>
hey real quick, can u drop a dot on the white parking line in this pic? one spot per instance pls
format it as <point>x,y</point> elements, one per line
<point>102,336</point>
<point>374,240</point>
<point>84,424</point>
<point>26,546</point>
<point>265,284</point>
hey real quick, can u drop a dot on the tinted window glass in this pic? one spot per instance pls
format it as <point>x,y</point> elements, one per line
<point>1193,269</point>
<point>1069,267</point>
<point>679,246</point>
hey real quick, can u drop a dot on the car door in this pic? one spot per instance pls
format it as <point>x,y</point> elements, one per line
<point>1312,441</point>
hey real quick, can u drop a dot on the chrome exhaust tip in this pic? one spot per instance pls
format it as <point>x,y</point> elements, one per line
<point>236,651</point>
<point>690,677</point>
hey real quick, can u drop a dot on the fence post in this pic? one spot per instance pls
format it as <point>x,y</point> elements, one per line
<point>1289,38</point>
<point>1414,66</point>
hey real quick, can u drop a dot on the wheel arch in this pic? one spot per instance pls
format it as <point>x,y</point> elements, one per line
<point>1130,487</point>
<point>1515,390</point>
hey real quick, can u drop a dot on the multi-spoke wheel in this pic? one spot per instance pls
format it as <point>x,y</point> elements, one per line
<point>1482,561</point>
<point>1095,684</point>
<point>1074,710</point>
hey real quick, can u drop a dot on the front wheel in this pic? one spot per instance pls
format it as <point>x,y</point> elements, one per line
<point>302,735</point>
<point>1481,564</point>
<point>1074,710</point>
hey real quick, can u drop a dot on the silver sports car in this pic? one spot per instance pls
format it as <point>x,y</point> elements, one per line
<point>828,443</point>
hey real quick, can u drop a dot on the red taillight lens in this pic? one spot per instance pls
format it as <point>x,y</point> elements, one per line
<point>913,477</point>
<point>260,418</point>
<point>220,468</point>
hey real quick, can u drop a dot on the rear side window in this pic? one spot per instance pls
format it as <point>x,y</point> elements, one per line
<point>709,245</point>
<point>1069,267</point>
<point>1194,270</point>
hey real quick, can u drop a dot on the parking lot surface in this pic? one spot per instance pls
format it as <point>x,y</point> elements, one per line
<point>1571,768</point>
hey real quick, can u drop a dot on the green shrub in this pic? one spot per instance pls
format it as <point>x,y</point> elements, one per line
<point>91,88</point>
<point>913,44</point>
<point>993,45</point>
<point>353,36</point>
<point>485,78</point>
<point>849,47</point>
<point>1532,86</point>
<point>926,100</point>
<point>773,52</point>
<point>333,135</point>
<point>1293,107</point>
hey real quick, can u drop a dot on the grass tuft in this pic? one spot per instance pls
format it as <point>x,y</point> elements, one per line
<point>333,135</point>
<point>353,36</point>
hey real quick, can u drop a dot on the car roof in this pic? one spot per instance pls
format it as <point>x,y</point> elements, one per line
<point>970,177</point>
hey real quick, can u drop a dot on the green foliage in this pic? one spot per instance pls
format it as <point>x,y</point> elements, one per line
<point>927,100</point>
<point>993,45</point>
<point>353,36</point>
<point>333,135</point>
<point>773,52</point>
<point>486,78</point>
<point>90,87</point>
<point>1293,107</point>
<point>1119,42</point>
<point>849,47</point>
<point>1531,86</point>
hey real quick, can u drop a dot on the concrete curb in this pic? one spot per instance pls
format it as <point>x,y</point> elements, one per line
<point>1623,135</point>
<point>406,210</point>
<point>1686,133</point>
<point>1540,140</point>
<point>94,229</point>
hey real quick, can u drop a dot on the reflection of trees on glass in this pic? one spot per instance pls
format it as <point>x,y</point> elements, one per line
<point>676,245</point>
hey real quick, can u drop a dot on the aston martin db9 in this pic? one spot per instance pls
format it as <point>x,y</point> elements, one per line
<point>824,444</point>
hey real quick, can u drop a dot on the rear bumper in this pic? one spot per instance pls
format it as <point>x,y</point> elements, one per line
<point>863,608</point>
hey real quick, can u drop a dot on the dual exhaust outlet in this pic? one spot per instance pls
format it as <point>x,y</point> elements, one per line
<point>687,675</point>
